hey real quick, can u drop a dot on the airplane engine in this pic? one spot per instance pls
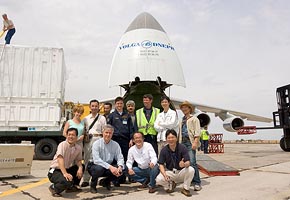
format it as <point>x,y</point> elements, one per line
<point>232,124</point>
<point>204,118</point>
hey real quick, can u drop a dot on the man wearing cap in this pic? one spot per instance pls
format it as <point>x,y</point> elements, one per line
<point>146,117</point>
<point>189,133</point>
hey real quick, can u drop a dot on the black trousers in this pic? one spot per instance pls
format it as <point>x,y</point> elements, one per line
<point>124,145</point>
<point>97,171</point>
<point>60,182</point>
<point>152,139</point>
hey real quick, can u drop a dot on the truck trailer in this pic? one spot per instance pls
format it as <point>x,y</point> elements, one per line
<point>32,88</point>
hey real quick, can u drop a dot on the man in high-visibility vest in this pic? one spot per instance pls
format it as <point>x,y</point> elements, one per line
<point>204,139</point>
<point>145,118</point>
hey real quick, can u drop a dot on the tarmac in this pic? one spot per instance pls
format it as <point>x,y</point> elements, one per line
<point>264,174</point>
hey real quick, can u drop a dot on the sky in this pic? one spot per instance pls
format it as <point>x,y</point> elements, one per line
<point>234,54</point>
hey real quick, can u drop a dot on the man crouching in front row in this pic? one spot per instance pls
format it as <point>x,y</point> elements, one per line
<point>66,169</point>
<point>174,163</point>
<point>105,153</point>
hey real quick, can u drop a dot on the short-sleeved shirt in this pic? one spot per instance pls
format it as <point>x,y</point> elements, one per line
<point>98,126</point>
<point>79,126</point>
<point>8,23</point>
<point>171,159</point>
<point>71,154</point>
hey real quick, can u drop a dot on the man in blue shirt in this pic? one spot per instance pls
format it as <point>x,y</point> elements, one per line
<point>123,130</point>
<point>105,151</point>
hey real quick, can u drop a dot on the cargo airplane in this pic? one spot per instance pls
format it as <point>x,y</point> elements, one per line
<point>145,61</point>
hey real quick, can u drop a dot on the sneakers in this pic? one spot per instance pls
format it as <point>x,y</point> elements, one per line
<point>85,184</point>
<point>53,192</point>
<point>173,187</point>
<point>197,187</point>
<point>186,192</point>
<point>73,189</point>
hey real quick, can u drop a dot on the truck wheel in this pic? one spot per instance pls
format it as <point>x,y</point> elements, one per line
<point>282,145</point>
<point>45,149</point>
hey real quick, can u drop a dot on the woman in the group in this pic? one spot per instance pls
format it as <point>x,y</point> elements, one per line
<point>165,120</point>
<point>77,123</point>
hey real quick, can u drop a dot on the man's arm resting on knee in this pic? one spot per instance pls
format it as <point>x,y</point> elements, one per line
<point>162,171</point>
<point>80,170</point>
<point>60,161</point>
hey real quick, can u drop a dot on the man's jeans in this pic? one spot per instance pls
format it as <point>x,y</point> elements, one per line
<point>192,155</point>
<point>141,175</point>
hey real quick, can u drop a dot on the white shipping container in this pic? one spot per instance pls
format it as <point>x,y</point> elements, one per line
<point>30,114</point>
<point>32,86</point>
<point>37,72</point>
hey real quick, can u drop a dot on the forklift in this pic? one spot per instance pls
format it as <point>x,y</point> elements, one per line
<point>281,118</point>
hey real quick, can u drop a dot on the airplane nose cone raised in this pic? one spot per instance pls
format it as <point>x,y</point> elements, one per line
<point>146,52</point>
<point>144,21</point>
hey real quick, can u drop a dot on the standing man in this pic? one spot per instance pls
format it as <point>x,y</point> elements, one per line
<point>66,169</point>
<point>204,139</point>
<point>94,123</point>
<point>105,151</point>
<point>107,109</point>
<point>130,105</point>
<point>189,133</point>
<point>144,155</point>
<point>174,164</point>
<point>8,25</point>
<point>123,127</point>
<point>146,117</point>
<point>123,130</point>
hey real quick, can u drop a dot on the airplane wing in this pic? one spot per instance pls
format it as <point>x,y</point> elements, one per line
<point>220,111</point>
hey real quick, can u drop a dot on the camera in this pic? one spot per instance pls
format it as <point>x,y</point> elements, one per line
<point>175,171</point>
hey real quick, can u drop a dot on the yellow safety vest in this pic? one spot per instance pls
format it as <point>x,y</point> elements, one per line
<point>144,126</point>
<point>204,136</point>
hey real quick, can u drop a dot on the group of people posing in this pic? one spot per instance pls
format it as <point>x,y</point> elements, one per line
<point>145,146</point>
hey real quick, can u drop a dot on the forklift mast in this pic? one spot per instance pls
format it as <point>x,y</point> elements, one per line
<point>281,117</point>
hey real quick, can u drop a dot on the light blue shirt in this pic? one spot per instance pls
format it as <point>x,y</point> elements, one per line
<point>79,126</point>
<point>104,154</point>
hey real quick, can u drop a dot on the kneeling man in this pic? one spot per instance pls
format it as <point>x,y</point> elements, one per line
<point>174,163</point>
<point>108,160</point>
<point>144,155</point>
<point>66,169</point>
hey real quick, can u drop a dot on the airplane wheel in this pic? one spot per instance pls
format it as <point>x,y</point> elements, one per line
<point>282,145</point>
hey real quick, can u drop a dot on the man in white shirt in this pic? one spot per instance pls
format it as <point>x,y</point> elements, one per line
<point>94,123</point>
<point>144,155</point>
